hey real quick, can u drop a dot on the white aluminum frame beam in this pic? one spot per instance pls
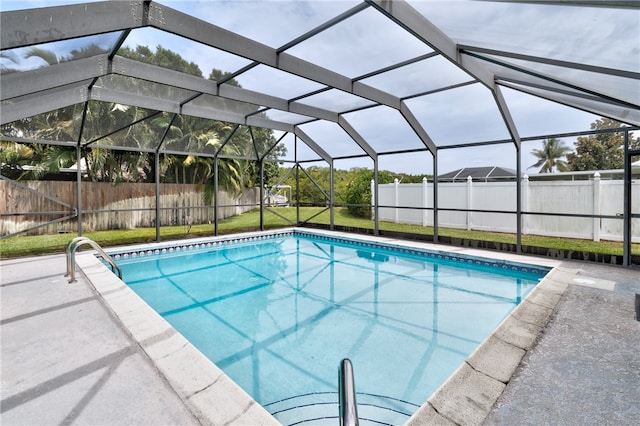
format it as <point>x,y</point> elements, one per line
<point>357,138</point>
<point>415,23</point>
<point>49,100</point>
<point>465,48</point>
<point>475,57</point>
<point>313,145</point>
<point>28,27</point>
<point>170,20</point>
<point>506,115</point>
<point>411,20</point>
<point>15,84</point>
<point>631,116</point>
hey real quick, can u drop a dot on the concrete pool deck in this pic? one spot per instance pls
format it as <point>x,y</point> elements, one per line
<point>70,357</point>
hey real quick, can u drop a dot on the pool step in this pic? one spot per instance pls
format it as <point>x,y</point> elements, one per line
<point>322,408</point>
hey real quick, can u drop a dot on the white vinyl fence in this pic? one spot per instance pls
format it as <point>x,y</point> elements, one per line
<point>590,197</point>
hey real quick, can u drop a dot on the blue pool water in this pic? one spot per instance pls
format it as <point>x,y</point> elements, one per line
<point>278,314</point>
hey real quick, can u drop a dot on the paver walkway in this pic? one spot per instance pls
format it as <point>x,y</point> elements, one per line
<point>585,369</point>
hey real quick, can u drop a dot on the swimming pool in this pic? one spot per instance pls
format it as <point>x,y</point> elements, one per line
<point>299,302</point>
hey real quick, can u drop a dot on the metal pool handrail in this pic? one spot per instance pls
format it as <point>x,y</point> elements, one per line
<point>347,395</point>
<point>68,252</point>
<point>71,257</point>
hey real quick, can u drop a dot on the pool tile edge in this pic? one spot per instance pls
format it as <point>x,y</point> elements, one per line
<point>196,380</point>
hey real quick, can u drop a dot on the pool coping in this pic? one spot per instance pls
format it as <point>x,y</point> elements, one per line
<point>466,397</point>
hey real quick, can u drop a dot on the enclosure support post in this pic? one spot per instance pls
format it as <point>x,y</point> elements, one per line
<point>435,197</point>
<point>331,197</point>
<point>297,166</point>
<point>626,227</point>
<point>79,186</point>
<point>376,209</point>
<point>156,166</point>
<point>79,161</point>
<point>261,168</point>
<point>215,196</point>
<point>157,173</point>
<point>518,198</point>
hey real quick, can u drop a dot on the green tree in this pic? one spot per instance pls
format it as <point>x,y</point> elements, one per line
<point>308,192</point>
<point>550,157</point>
<point>358,191</point>
<point>13,156</point>
<point>264,141</point>
<point>186,134</point>
<point>64,125</point>
<point>161,57</point>
<point>602,151</point>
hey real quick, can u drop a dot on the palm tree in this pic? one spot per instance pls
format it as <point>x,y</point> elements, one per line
<point>233,174</point>
<point>550,157</point>
<point>10,57</point>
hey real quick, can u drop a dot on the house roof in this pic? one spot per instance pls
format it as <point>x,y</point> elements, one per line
<point>478,173</point>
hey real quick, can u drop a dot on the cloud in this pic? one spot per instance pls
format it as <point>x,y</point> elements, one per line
<point>535,116</point>
<point>275,82</point>
<point>463,115</point>
<point>206,57</point>
<point>384,129</point>
<point>426,75</point>
<point>361,44</point>
<point>335,140</point>
<point>273,23</point>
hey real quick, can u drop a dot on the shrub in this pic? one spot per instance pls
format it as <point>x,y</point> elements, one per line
<point>358,191</point>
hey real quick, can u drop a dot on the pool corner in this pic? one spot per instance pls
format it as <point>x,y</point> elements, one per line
<point>208,392</point>
<point>468,396</point>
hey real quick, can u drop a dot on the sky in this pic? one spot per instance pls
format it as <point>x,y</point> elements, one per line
<point>369,41</point>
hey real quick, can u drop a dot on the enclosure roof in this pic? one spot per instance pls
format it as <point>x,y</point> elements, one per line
<point>348,78</point>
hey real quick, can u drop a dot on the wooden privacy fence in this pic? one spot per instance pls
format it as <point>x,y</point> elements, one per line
<point>106,206</point>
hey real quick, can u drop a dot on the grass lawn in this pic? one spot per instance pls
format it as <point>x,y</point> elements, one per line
<point>45,244</point>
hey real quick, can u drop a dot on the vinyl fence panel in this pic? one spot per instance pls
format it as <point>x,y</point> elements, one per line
<point>540,199</point>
